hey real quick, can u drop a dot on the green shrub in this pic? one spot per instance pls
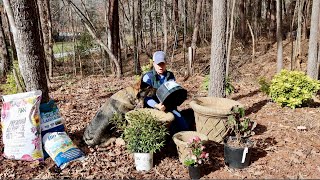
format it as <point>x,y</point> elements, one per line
<point>144,133</point>
<point>147,67</point>
<point>292,88</point>
<point>11,86</point>
<point>264,85</point>
<point>229,86</point>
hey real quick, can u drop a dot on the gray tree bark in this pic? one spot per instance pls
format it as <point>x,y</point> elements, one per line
<point>312,68</point>
<point>279,36</point>
<point>4,55</point>
<point>218,49</point>
<point>45,20</point>
<point>23,22</point>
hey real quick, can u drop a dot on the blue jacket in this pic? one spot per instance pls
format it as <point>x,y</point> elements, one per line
<point>152,78</point>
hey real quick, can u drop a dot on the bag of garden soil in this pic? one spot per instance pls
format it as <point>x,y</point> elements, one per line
<point>20,121</point>
<point>61,149</point>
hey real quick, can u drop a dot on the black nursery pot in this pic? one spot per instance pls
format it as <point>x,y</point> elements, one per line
<point>194,172</point>
<point>237,157</point>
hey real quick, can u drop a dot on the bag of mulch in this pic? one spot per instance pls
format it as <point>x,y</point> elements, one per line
<point>51,120</point>
<point>20,121</point>
<point>61,149</point>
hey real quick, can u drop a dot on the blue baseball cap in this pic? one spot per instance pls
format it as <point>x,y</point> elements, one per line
<point>159,57</point>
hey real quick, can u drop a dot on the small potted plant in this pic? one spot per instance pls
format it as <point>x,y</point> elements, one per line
<point>144,135</point>
<point>237,146</point>
<point>196,157</point>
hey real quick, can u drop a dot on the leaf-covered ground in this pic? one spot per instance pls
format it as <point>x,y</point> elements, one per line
<point>282,149</point>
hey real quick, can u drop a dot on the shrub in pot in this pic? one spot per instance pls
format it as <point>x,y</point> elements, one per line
<point>144,135</point>
<point>237,146</point>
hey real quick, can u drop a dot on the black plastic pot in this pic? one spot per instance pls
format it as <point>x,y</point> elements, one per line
<point>194,172</point>
<point>237,157</point>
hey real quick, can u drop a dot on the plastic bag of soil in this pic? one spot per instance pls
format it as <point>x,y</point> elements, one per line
<point>20,121</point>
<point>61,149</point>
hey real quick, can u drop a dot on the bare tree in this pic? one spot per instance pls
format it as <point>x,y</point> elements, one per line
<point>114,29</point>
<point>312,68</point>
<point>44,13</point>
<point>279,36</point>
<point>196,28</point>
<point>218,49</point>
<point>4,55</point>
<point>165,30</point>
<point>23,18</point>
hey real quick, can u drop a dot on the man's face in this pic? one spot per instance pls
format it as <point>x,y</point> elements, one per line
<point>160,68</point>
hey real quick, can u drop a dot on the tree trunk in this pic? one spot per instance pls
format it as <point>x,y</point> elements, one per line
<point>279,36</point>
<point>196,28</point>
<point>165,30</point>
<point>114,30</point>
<point>242,19</point>
<point>4,58</point>
<point>44,11</point>
<point>137,68</point>
<point>218,50</point>
<point>312,68</point>
<point>24,25</point>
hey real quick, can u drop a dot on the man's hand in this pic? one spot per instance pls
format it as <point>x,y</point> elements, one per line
<point>160,106</point>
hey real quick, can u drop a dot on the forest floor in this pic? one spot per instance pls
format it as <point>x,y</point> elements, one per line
<point>281,150</point>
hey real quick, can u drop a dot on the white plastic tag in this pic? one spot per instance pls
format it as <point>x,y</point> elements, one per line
<point>245,151</point>
<point>171,84</point>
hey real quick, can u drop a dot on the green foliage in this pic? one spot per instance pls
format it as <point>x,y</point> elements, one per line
<point>264,85</point>
<point>229,86</point>
<point>11,86</point>
<point>205,83</point>
<point>85,43</point>
<point>144,133</point>
<point>240,125</point>
<point>119,122</point>
<point>292,88</point>
<point>196,155</point>
<point>147,67</point>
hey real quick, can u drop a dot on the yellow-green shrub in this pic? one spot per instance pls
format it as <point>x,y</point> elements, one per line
<point>292,88</point>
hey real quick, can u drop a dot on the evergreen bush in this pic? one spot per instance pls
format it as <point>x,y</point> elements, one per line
<point>292,88</point>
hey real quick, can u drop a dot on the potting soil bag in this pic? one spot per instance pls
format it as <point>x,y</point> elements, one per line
<point>61,149</point>
<point>20,121</point>
<point>51,120</point>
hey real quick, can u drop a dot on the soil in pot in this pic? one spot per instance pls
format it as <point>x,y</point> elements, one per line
<point>237,155</point>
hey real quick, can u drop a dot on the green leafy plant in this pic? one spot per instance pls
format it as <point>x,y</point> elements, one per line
<point>119,122</point>
<point>240,125</point>
<point>11,85</point>
<point>264,85</point>
<point>292,88</point>
<point>147,67</point>
<point>196,155</point>
<point>228,85</point>
<point>144,133</point>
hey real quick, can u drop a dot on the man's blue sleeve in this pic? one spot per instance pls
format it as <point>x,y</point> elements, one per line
<point>148,100</point>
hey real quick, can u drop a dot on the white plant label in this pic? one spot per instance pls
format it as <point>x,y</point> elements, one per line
<point>171,84</point>
<point>245,151</point>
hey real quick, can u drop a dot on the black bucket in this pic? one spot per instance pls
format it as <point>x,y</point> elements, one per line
<point>237,157</point>
<point>171,94</point>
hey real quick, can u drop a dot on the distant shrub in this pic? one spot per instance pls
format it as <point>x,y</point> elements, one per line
<point>292,88</point>
<point>264,85</point>
<point>11,86</point>
<point>229,86</point>
<point>147,67</point>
